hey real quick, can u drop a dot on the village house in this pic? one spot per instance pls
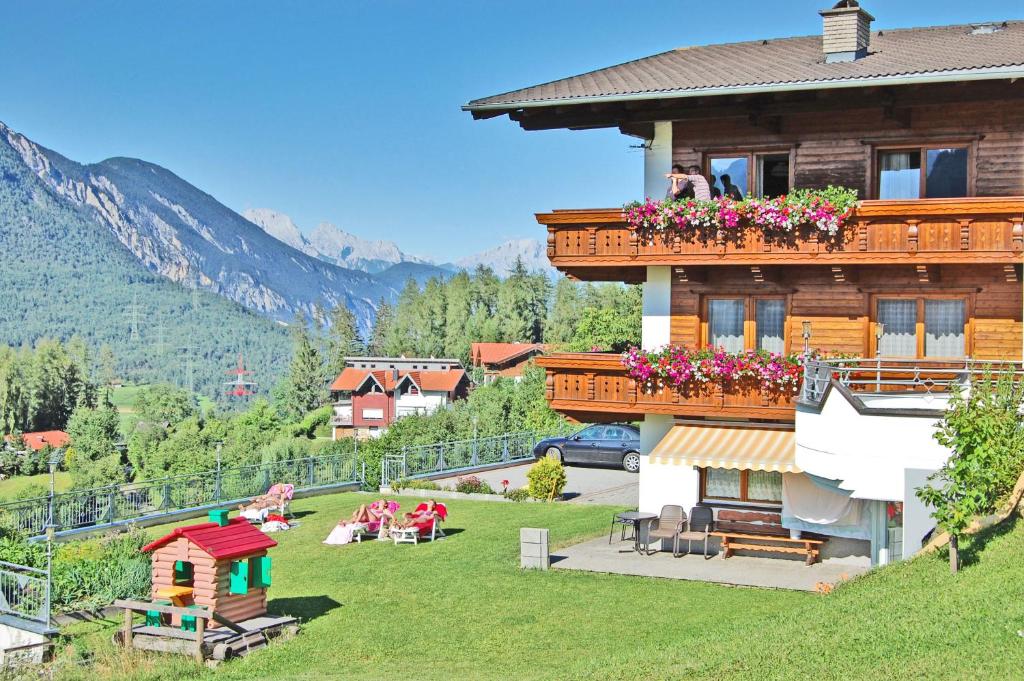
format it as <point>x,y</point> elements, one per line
<point>39,440</point>
<point>505,360</point>
<point>920,285</point>
<point>371,393</point>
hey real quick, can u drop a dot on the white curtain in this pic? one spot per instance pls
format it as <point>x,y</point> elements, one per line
<point>899,335</point>
<point>899,175</point>
<point>723,483</point>
<point>818,505</point>
<point>764,486</point>
<point>725,324</point>
<point>771,322</point>
<point>944,328</point>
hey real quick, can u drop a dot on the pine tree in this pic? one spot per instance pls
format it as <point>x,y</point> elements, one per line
<point>343,340</point>
<point>305,389</point>
<point>565,313</point>
<point>459,308</point>
<point>381,329</point>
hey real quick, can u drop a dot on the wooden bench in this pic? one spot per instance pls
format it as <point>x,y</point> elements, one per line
<point>732,541</point>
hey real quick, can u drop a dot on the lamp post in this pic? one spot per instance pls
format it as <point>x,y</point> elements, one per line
<point>879,332</point>
<point>56,458</point>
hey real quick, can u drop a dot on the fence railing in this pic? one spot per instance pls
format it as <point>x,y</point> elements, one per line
<point>115,504</point>
<point>894,376</point>
<point>460,455</point>
<point>24,592</point>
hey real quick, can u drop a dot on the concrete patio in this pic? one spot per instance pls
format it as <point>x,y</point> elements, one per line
<point>597,555</point>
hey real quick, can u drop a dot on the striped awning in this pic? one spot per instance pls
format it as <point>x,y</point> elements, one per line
<point>716,446</point>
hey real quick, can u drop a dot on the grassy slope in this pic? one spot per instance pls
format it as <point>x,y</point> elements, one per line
<point>11,486</point>
<point>461,608</point>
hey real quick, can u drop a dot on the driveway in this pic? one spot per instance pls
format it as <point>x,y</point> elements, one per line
<point>583,485</point>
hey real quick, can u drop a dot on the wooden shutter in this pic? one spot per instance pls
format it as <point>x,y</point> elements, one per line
<point>261,572</point>
<point>239,577</point>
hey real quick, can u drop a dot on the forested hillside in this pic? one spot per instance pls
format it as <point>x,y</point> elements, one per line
<point>64,274</point>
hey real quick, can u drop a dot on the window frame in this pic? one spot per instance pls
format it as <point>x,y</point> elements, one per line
<point>919,326</point>
<point>744,497</point>
<point>749,317</point>
<point>753,181</point>
<point>922,148</point>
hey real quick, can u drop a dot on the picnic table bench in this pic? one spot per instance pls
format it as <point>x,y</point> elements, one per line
<point>733,540</point>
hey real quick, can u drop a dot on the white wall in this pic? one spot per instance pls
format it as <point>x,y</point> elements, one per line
<point>424,403</point>
<point>663,484</point>
<point>656,327</point>
<point>868,454</point>
<point>658,161</point>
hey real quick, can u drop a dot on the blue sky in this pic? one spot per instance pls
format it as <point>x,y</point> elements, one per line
<point>349,111</point>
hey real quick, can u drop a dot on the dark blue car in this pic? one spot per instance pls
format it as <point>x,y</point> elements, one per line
<point>615,443</point>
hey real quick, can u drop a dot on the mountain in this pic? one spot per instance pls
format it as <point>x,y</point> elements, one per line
<point>349,250</point>
<point>281,227</point>
<point>399,274</point>
<point>187,236</point>
<point>65,272</point>
<point>502,258</point>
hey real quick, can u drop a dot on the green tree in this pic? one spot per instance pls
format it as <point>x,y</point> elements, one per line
<point>381,329</point>
<point>343,340</point>
<point>983,429</point>
<point>565,313</point>
<point>95,460</point>
<point>159,404</point>
<point>458,309</point>
<point>304,389</point>
<point>106,366</point>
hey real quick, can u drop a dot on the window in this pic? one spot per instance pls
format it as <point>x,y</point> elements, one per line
<point>615,433</point>
<point>591,433</point>
<point>736,485</point>
<point>731,174</point>
<point>725,324</point>
<point>373,413</point>
<point>249,573</point>
<point>748,322</point>
<point>925,172</point>
<point>922,327</point>
<point>183,573</point>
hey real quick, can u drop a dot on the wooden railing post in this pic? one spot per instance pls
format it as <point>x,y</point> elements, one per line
<point>1017,234</point>
<point>912,235</point>
<point>592,240</point>
<point>965,234</point>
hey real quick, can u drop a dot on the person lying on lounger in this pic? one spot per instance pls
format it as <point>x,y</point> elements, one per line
<point>418,517</point>
<point>264,501</point>
<point>377,511</point>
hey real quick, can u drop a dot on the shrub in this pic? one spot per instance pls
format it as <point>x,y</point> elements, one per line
<point>517,494</point>
<point>546,479</point>
<point>399,485</point>
<point>93,573</point>
<point>470,484</point>
<point>33,490</point>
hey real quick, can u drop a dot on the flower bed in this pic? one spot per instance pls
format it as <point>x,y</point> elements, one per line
<point>824,210</point>
<point>679,367</point>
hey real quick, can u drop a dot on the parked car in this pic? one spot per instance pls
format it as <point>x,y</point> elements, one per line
<point>615,443</point>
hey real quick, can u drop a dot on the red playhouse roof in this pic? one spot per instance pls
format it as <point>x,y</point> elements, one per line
<point>237,538</point>
<point>496,353</point>
<point>36,441</point>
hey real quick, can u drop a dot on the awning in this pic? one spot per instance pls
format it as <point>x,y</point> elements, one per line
<point>715,446</point>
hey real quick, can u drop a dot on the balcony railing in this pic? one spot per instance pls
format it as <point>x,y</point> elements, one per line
<point>898,383</point>
<point>932,231</point>
<point>588,385</point>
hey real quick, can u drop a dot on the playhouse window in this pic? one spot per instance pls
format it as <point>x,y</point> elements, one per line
<point>249,573</point>
<point>183,573</point>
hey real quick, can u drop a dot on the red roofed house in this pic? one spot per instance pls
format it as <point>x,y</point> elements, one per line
<point>222,564</point>
<point>371,393</point>
<point>41,439</point>
<point>503,359</point>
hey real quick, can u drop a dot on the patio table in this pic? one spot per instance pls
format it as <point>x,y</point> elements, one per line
<point>636,519</point>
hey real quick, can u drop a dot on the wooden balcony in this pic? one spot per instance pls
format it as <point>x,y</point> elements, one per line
<point>599,245</point>
<point>595,387</point>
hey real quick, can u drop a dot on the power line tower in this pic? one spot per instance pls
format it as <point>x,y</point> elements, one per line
<point>240,386</point>
<point>131,313</point>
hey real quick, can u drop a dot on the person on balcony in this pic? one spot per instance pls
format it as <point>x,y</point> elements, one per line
<point>687,184</point>
<point>731,190</point>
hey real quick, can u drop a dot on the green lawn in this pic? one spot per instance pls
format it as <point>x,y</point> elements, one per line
<point>11,486</point>
<point>462,609</point>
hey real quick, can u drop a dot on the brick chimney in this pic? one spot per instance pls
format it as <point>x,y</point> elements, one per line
<point>846,31</point>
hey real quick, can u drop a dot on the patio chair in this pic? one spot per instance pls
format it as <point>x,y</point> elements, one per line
<point>285,491</point>
<point>699,525</point>
<point>668,525</point>
<point>426,529</point>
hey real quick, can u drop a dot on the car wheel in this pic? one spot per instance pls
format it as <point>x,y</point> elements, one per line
<point>554,453</point>
<point>631,462</point>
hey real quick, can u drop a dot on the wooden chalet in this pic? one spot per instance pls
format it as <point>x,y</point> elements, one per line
<point>927,125</point>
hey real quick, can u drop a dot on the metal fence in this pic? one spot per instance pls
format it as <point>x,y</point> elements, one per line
<point>25,592</point>
<point>890,376</point>
<point>459,455</point>
<point>107,506</point>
